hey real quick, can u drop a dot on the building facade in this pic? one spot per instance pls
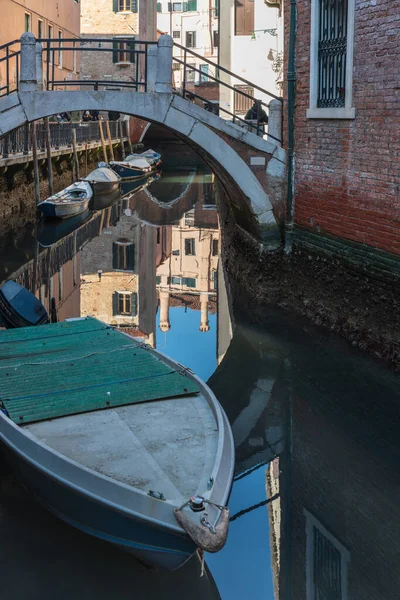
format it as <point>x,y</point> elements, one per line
<point>45,19</point>
<point>251,46</point>
<point>195,25</point>
<point>347,131</point>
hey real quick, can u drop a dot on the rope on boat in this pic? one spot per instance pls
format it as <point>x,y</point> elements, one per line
<point>251,508</point>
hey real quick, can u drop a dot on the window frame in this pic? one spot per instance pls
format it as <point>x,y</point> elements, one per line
<point>190,246</point>
<point>193,34</point>
<point>40,27</point>
<point>347,111</point>
<point>127,52</point>
<point>129,247</point>
<point>125,10</point>
<point>126,298</point>
<point>50,30</point>
<point>345,556</point>
<point>60,54</point>
<point>27,20</point>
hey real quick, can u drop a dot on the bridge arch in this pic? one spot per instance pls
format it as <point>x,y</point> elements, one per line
<point>200,129</point>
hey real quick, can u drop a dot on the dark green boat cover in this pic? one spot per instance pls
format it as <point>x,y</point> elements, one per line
<point>77,366</point>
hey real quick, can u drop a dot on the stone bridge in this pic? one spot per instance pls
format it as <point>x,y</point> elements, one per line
<point>250,169</point>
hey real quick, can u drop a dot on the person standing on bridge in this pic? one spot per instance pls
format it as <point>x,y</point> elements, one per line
<point>257,113</point>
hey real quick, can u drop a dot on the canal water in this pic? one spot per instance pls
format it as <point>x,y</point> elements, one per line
<point>315,501</point>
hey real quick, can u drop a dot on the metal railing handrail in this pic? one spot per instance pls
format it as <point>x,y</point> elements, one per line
<point>227,71</point>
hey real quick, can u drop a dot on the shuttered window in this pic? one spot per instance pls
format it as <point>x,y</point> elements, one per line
<point>124,51</point>
<point>243,103</point>
<point>125,6</point>
<point>244,17</point>
<point>123,256</point>
<point>124,303</point>
<point>159,7</point>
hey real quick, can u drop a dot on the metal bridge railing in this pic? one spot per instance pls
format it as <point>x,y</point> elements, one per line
<point>10,54</point>
<point>19,141</point>
<point>254,124</point>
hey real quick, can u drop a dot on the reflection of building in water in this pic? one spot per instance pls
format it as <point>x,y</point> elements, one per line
<point>274,516</point>
<point>188,275</point>
<point>118,273</point>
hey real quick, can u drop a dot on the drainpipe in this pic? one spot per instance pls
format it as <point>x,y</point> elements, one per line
<point>291,79</point>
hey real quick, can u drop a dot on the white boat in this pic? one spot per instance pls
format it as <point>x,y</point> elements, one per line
<point>71,201</point>
<point>134,168</point>
<point>103,179</point>
<point>116,439</point>
<point>153,158</point>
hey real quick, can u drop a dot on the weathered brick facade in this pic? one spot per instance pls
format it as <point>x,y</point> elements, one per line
<point>347,172</point>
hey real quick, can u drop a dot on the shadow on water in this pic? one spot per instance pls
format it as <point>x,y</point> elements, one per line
<point>314,503</point>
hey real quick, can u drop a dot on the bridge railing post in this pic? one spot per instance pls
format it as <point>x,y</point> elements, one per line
<point>275,122</point>
<point>39,65</point>
<point>28,80</point>
<point>151,73</point>
<point>164,65</point>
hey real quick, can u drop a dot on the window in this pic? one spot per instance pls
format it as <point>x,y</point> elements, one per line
<point>331,60</point>
<point>216,8</point>
<point>215,38</point>
<point>176,35</point>
<point>60,54</point>
<point>190,39</point>
<point>204,72</point>
<point>123,256</point>
<point>125,5</point>
<point>191,6</point>
<point>158,235</point>
<point>175,6</point>
<point>243,103</point>
<point>244,17</point>
<point>326,563</point>
<point>124,303</point>
<point>176,252</point>
<point>190,247</point>
<point>190,73</point>
<point>40,29</point>
<point>188,281</point>
<point>158,280</point>
<point>159,7</point>
<point>27,22</point>
<point>215,247</point>
<point>176,66</point>
<point>124,51</point>
<point>215,279</point>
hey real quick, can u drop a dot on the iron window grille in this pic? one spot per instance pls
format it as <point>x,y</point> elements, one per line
<point>332,49</point>
<point>176,35</point>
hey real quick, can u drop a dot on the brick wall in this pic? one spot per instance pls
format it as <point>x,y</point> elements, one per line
<point>347,171</point>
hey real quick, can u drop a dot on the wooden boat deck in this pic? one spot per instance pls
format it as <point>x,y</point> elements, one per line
<point>79,366</point>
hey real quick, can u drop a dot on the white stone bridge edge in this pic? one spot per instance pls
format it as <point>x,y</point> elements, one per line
<point>161,106</point>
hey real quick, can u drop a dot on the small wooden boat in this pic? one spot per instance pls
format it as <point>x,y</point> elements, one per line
<point>69,202</point>
<point>131,169</point>
<point>117,439</point>
<point>103,180</point>
<point>152,157</point>
<point>19,307</point>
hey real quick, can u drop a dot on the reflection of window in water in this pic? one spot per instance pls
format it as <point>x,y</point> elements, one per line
<point>176,252</point>
<point>125,303</point>
<point>123,255</point>
<point>190,247</point>
<point>215,279</point>
<point>215,247</point>
<point>188,281</point>
<point>326,563</point>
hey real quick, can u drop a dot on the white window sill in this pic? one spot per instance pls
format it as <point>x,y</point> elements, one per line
<point>124,12</point>
<point>124,64</point>
<point>331,113</point>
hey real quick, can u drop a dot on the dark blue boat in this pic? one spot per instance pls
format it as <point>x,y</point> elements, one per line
<point>19,307</point>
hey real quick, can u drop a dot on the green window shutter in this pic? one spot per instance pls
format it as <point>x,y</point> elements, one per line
<point>134,305</point>
<point>185,6</point>
<point>190,282</point>
<point>132,56</point>
<point>115,53</point>
<point>169,6</point>
<point>217,8</point>
<point>115,303</point>
<point>115,5</point>
<point>192,5</point>
<point>158,279</point>
<point>115,256</point>
<point>131,257</point>
<point>159,7</point>
<point>134,6</point>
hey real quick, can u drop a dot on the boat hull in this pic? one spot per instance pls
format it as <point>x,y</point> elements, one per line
<point>151,544</point>
<point>63,210</point>
<point>126,172</point>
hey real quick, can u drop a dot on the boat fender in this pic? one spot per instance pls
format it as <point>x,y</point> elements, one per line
<point>205,535</point>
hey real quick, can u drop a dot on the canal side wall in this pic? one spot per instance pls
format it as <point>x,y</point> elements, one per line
<point>346,170</point>
<point>335,289</point>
